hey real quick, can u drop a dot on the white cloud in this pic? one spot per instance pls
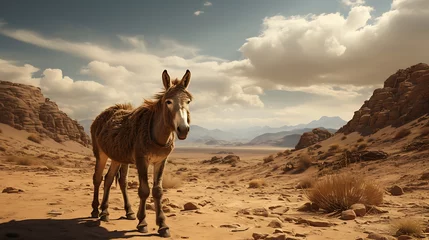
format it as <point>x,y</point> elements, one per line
<point>353,2</point>
<point>337,50</point>
<point>208,4</point>
<point>9,71</point>
<point>198,13</point>
<point>137,42</point>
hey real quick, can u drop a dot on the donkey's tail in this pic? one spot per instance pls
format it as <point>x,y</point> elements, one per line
<point>118,175</point>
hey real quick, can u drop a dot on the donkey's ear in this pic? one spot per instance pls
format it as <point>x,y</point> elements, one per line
<point>186,79</point>
<point>166,80</point>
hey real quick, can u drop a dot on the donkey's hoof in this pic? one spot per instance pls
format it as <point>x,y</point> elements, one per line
<point>164,232</point>
<point>131,216</point>
<point>104,218</point>
<point>142,229</point>
<point>94,214</point>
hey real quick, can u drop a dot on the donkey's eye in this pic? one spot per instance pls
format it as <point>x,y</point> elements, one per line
<point>189,101</point>
<point>168,102</point>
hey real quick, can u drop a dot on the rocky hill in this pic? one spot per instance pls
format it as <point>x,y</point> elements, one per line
<point>403,98</point>
<point>25,108</point>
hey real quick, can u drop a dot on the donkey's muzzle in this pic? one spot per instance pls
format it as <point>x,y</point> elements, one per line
<point>182,132</point>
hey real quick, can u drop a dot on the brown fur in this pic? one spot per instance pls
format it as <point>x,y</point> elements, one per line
<point>141,136</point>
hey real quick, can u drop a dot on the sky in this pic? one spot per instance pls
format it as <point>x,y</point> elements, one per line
<point>253,62</point>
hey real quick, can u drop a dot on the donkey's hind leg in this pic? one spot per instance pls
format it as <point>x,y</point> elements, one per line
<point>108,180</point>
<point>100,164</point>
<point>123,181</point>
<point>158,172</point>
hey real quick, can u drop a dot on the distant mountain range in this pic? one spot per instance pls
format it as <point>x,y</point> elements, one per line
<point>285,136</point>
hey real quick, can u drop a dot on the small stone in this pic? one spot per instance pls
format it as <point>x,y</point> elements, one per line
<point>190,206</point>
<point>203,203</point>
<point>263,212</point>
<point>235,225</point>
<point>12,190</point>
<point>280,210</point>
<point>426,230</point>
<point>171,215</point>
<point>150,206</point>
<point>257,236</point>
<point>244,211</point>
<point>133,185</point>
<point>375,210</point>
<point>179,190</point>
<point>276,237</point>
<point>425,176</point>
<point>359,209</point>
<point>166,209</point>
<point>55,213</point>
<point>275,224</point>
<point>405,237</point>
<point>348,215</point>
<point>278,230</point>
<point>396,191</point>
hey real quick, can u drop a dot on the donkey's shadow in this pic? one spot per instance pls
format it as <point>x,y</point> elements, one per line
<point>76,228</point>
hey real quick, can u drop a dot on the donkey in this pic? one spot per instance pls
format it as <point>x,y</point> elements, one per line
<point>142,136</point>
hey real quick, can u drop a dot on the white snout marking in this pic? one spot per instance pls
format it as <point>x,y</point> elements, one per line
<point>181,118</point>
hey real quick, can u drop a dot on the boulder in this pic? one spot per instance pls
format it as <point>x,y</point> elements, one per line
<point>309,138</point>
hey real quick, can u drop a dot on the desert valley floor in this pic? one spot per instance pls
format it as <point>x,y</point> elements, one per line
<point>56,184</point>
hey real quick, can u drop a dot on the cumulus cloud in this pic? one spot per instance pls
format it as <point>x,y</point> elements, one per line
<point>353,2</point>
<point>198,13</point>
<point>335,49</point>
<point>10,71</point>
<point>137,42</point>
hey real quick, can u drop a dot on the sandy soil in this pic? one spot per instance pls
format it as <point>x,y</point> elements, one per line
<point>56,184</point>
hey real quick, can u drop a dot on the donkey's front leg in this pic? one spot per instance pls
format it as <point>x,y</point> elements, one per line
<point>158,171</point>
<point>144,191</point>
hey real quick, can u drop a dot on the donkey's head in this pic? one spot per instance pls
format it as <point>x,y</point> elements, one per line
<point>176,104</point>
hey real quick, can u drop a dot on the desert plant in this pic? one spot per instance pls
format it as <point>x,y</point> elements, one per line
<point>170,181</point>
<point>25,161</point>
<point>361,147</point>
<point>269,159</point>
<point>403,132</point>
<point>407,226</point>
<point>424,132</point>
<point>304,162</point>
<point>306,183</point>
<point>34,138</point>
<point>257,183</point>
<point>360,140</point>
<point>339,192</point>
<point>334,147</point>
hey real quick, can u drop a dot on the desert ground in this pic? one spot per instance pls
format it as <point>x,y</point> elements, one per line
<point>50,192</point>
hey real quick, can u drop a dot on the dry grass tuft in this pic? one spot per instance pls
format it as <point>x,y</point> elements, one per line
<point>304,162</point>
<point>362,147</point>
<point>339,192</point>
<point>305,183</point>
<point>171,181</point>
<point>424,132</point>
<point>34,138</point>
<point>407,226</point>
<point>257,183</point>
<point>334,147</point>
<point>269,159</point>
<point>402,133</point>
<point>25,161</point>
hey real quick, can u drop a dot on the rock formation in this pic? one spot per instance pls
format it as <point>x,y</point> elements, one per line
<point>25,108</point>
<point>309,138</point>
<point>404,97</point>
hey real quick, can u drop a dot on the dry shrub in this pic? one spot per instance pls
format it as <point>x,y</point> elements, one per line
<point>171,181</point>
<point>25,161</point>
<point>305,183</point>
<point>402,133</point>
<point>339,192</point>
<point>334,147</point>
<point>34,138</point>
<point>257,183</point>
<point>424,132</point>
<point>304,162</point>
<point>269,159</point>
<point>407,226</point>
<point>362,147</point>
<point>344,138</point>
<point>360,140</point>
